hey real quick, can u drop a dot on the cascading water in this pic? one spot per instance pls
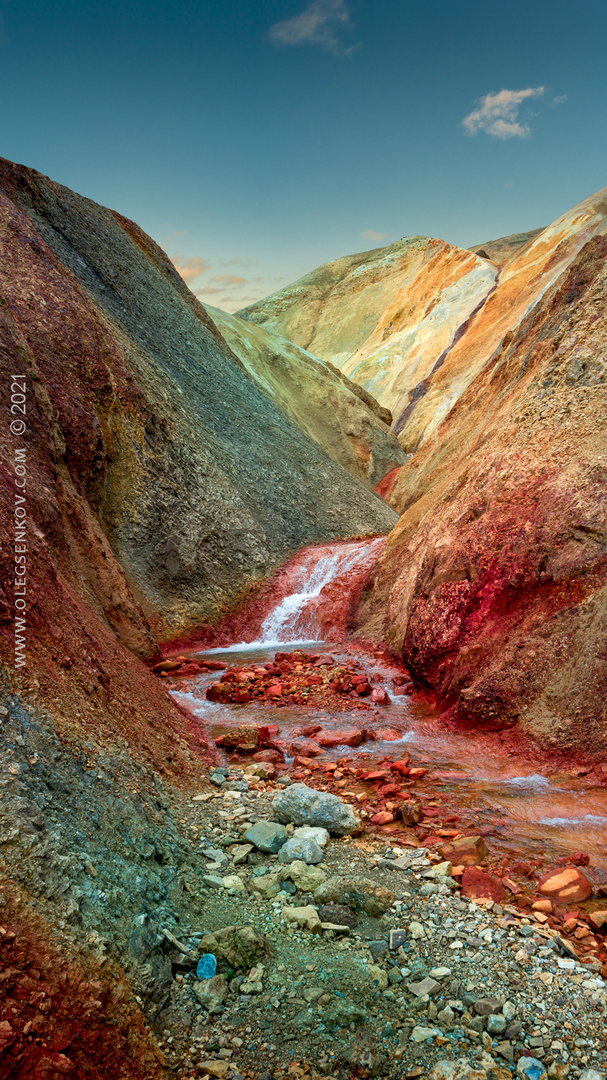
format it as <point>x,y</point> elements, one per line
<point>298,616</point>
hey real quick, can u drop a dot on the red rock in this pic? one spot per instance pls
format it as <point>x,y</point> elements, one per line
<point>310,730</point>
<point>362,689</point>
<point>280,745</point>
<point>305,746</point>
<point>416,773</point>
<point>228,676</point>
<point>598,919</point>
<point>467,851</point>
<point>274,691</point>
<point>389,734</point>
<point>342,737</point>
<point>578,858</point>
<point>568,885</point>
<point>241,697</point>
<point>214,665</point>
<point>523,868</point>
<point>189,669</point>
<point>384,817</point>
<point>356,679</point>
<point>402,691</point>
<point>268,731</point>
<point>380,697</point>
<point>377,774</point>
<point>325,661</point>
<point>411,812</point>
<point>401,766</point>
<point>218,692</point>
<point>314,680</point>
<point>339,686</point>
<point>274,757</point>
<point>478,885</point>
<point>388,789</point>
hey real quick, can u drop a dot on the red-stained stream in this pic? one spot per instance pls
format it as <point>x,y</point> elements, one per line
<point>536,809</point>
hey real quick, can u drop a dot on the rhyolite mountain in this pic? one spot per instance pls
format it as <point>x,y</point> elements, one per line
<point>190,479</point>
<point>493,585</point>
<point>414,323</point>
<point>339,415</point>
<point>176,458</point>
<point>164,483</point>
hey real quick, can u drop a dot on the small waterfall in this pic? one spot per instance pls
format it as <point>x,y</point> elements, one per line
<point>314,586</point>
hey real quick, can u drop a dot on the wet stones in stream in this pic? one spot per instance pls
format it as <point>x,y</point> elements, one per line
<point>296,678</point>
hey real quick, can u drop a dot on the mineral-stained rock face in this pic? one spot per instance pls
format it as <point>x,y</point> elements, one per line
<point>416,322</point>
<point>161,482</point>
<point>493,585</point>
<point>384,317</point>
<point>340,416</point>
<point>145,427</point>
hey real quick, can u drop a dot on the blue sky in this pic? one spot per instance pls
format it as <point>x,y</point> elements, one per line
<point>254,141</point>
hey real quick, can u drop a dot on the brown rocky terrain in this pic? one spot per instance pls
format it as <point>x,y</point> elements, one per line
<point>493,583</point>
<point>174,462</point>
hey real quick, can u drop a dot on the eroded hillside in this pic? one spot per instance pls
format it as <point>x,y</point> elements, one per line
<point>493,585</point>
<point>416,322</point>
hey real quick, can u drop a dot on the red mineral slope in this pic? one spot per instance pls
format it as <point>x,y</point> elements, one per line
<point>60,1018</point>
<point>493,585</point>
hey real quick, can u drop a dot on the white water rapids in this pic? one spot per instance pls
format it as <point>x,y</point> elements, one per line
<point>296,617</point>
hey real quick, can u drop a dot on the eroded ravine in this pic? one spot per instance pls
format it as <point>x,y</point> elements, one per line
<point>532,805</point>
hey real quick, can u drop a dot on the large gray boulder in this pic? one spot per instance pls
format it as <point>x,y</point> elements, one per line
<point>304,806</point>
<point>359,893</point>
<point>267,836</point>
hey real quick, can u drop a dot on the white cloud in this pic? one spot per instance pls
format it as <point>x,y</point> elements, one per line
<point>191,268</point>
<point>559,100</point>
<point>229,279</point>
<point>498,114</point>
<point>370,234</point>
<point>318,24</point>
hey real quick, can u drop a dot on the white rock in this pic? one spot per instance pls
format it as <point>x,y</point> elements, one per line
<point>424,1034</point>
<point>234,884</point>
<point>306,918</point>
<point>309,832</point>
<point>416,931</point>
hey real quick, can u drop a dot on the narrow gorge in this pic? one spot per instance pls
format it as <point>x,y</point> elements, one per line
<point>303,642</point>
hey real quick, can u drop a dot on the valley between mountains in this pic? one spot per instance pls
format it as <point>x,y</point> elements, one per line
<point>303,643</point>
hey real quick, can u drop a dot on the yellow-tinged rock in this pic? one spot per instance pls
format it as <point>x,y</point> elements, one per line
<point>543,905</point>
<point>215,1068</point>
<point>567,885</point>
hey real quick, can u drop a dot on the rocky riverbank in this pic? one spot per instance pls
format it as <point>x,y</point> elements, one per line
<point>374,960</point>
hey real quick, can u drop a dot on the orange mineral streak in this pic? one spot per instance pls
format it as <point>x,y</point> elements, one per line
<point>520,287</point>
<point>492,586</point>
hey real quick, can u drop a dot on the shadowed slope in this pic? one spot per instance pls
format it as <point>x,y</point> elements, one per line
<point>341,417</point>
<point>200,481</point>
